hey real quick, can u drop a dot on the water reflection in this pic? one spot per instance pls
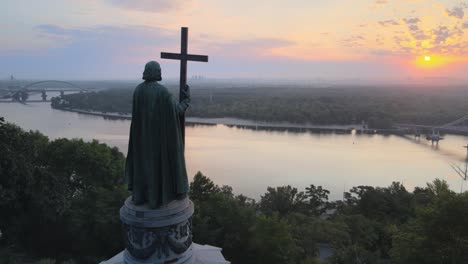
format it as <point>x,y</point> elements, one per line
<point>449,152</point>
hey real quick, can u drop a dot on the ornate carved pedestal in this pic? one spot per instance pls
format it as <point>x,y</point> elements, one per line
<point>158,236</point>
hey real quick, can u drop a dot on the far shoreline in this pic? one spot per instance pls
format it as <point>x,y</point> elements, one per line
<point>262,125</point>
<point>227,121</point>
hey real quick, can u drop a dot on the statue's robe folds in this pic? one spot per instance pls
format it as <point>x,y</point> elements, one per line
<point>155,168</point>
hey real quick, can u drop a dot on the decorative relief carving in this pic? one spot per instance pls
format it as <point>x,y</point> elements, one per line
<point>163,242</point>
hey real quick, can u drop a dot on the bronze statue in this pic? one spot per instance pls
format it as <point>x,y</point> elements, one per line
<point>155,168</point>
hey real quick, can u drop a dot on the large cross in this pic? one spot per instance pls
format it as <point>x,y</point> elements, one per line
<point>183,56</point>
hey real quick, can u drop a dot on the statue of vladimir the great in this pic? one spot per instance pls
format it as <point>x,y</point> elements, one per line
<point>155,168</point>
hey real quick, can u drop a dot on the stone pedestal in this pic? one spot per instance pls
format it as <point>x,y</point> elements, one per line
<point>158,236</point>
<point>202,254</point>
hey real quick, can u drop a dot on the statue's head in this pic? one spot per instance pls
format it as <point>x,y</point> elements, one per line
<point>152,72</point>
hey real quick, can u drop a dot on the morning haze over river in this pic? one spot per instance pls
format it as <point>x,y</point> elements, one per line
<point>250,160</point>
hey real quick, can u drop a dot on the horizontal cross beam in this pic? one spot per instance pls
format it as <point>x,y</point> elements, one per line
<point>186,57</point>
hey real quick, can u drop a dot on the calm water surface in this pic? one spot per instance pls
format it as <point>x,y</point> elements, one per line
<point>250,161</point>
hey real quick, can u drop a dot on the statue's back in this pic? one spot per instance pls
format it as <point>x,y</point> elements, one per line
<point>155,168</point>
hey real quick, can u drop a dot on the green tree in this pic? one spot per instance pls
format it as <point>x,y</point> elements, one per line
<point>359,243</point>
<point>438,233</point>
<point>202,187</point>
<point>60,199</point>
<point>392,204</point>
<point>318,199</point>
<point>19,166</point>
<point>272,242</point>
<point>283,200</point>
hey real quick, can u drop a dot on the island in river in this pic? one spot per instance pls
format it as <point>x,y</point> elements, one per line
<point>377,108</point>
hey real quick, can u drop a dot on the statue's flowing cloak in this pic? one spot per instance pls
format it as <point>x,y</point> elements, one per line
<point>155,168</point>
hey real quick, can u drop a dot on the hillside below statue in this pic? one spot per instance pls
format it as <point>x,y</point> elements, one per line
<point>155,168</point>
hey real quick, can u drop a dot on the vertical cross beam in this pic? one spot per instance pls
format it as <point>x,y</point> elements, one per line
<point>183,69</point>
<point>183,56</point>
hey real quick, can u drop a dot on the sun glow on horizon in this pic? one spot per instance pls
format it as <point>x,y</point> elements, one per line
<point>362,39</point>
<point>432,62</point>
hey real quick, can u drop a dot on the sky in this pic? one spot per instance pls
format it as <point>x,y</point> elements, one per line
<point>262,39</point>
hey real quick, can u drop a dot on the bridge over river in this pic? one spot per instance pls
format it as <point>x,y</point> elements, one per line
<point>457,126</point>
<point>21,93</point>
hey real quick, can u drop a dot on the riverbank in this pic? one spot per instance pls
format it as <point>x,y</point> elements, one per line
<point>247,123</point>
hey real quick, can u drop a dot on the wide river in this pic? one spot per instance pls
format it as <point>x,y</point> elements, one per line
<point>251,160</point>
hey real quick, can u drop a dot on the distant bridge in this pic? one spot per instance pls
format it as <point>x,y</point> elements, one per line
<point>459,126</point>
<point>21,94</point>
<point>51,81</point>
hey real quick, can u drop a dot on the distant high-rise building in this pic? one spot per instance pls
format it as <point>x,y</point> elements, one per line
<point>198,77</point>
<point>14,84</point>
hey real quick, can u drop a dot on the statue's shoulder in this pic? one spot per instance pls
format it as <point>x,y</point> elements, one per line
<point>162,89</point>
<point>146,87</point>
<point>153,85</point>
<point>160,86</point>
<point>139,87</point>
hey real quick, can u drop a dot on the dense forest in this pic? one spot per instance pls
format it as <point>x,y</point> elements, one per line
<point>379,107</point>
<point>59,203</point>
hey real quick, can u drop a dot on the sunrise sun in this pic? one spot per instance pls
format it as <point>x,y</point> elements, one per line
<point>427,58</point>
